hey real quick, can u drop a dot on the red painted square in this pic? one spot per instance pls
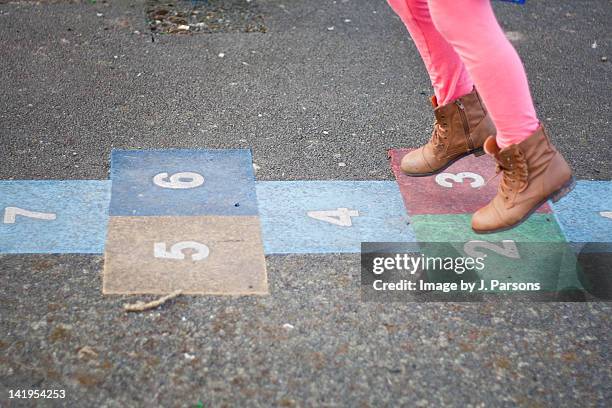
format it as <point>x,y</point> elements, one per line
<point>461,188</point>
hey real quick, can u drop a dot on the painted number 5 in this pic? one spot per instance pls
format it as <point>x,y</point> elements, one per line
<point>181,180</point>
<point>176,251</point>
<point>443,179</point>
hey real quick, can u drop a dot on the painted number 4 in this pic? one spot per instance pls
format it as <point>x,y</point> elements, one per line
<point>341,216</point>
<point>11,213</point>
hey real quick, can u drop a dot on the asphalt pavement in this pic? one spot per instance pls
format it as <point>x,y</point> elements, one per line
<point>327,82</point>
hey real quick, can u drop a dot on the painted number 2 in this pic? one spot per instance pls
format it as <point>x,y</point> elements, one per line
<point>443,179</point>
<point>341,216</point>
<point>181,180</point>
<point>507,248</point>
<point>11,213</point>
<point>160,250</point>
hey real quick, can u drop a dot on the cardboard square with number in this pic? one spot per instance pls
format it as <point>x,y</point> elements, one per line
<point>53,216</point>
<point>182,182</point>
<point>459,189</point>
<point>197,255</point>
<point>330,216</point>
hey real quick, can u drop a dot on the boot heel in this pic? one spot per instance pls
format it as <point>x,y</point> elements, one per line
<point>478,152</point>
<point>563,191</point>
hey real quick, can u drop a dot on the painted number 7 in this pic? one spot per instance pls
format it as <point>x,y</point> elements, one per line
<point>11,213</point>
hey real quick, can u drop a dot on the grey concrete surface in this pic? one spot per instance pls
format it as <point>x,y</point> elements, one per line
<point>339,351</point>
<point>75,82</point>
<point>363,78</point>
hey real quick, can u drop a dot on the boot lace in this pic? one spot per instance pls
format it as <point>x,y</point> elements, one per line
<point>515,174</point>
<point>439,134</point>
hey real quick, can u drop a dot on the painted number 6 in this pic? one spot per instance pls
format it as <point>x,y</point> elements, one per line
<point>181,180</point>
<point>442,179</point>
<point>176,251</point>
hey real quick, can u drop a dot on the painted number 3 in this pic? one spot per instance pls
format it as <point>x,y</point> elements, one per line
<point>443,179</point>
<point>201,251</point>
<point>181,180</point>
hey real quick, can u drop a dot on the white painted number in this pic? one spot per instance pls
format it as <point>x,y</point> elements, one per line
<point>606,214</point>
<point>11,213</point>
<point>442,179</point>
<point>508,248</point>
<point>181,180</point>
<point>341,216</point>
<point>176,251</point>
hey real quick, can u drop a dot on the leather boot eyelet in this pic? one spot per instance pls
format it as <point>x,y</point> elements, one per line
<point>524,184</point>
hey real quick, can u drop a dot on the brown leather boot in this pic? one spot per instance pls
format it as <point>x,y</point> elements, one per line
<point>460,129</point>
<point>532,172</point>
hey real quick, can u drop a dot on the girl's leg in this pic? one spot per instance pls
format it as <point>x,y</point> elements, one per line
<point>462,122</point>
<point>533,170</point>
<point>471,28</point>
<point>448,75</point>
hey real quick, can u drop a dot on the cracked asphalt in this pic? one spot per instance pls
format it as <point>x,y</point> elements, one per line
<point>329,82</point>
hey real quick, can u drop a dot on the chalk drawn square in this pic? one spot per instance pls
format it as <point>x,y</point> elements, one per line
<point>320,216</point>
<point>215,255</point>
<point>53,216</point>
<point>182,182</point>
<point>535,251</point>
<point>585,215</point>
<point>461,188</point>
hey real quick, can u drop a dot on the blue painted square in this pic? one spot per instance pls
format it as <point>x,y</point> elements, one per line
<point>72,216</point>
<point>284,208</point>
<point>585,214</point>
<point>182,182</point>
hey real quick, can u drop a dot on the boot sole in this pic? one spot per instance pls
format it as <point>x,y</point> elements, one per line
<point>555,196</point>
<point>476,152</point>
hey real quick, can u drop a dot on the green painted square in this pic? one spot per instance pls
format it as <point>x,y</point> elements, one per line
<point>534,252</point>
<point>457,228</point>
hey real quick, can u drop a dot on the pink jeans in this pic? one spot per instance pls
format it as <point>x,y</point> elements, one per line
<point>463,45</point>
